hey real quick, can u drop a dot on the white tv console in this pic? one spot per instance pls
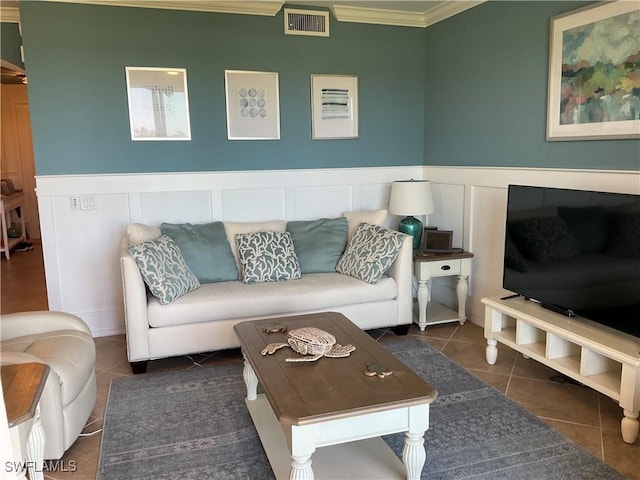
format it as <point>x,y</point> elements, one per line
<point>594,355</point>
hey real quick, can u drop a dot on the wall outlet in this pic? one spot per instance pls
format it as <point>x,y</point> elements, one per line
<point>75,202</point>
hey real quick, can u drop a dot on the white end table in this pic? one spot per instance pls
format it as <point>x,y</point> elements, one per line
<point>428,266</point>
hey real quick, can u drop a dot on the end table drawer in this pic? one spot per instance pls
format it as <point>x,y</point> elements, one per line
<point>442,268</point>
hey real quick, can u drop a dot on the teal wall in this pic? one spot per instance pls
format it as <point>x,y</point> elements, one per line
<point>75,57</point>
<point>469,91</point>
<point>10,42</point>
<point>486,93</point>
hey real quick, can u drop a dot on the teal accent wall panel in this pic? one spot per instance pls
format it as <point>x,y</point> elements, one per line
<point>486,93</point>
<point>76,57</point>
<point>10,42</point>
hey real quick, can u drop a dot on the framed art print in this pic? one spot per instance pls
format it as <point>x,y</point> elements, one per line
<point>334,107</point>
<point>158,103</point>
<point>594,83</point>
<point>253,105</point>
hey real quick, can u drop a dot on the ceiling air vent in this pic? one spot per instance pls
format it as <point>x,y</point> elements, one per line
<point>306,22</point>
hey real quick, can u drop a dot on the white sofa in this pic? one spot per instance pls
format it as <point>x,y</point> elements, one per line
<point>203,319</point>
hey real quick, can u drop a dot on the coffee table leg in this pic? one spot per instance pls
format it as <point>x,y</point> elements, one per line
<point>414,455</point>
<point>302,448</point>
<point>301,468</point>
<point>250,380</point>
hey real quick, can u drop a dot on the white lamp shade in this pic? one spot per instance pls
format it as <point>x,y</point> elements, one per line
<point>411,197</point>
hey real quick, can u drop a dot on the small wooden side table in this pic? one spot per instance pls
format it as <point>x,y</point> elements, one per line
<point>428,266</point>
<point>8,203</point>
<point>22,385</point>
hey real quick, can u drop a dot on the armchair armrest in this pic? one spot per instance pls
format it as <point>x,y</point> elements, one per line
<point>32,323</point>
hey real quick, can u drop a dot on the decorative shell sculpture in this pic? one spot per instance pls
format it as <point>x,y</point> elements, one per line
<point>312,342</point>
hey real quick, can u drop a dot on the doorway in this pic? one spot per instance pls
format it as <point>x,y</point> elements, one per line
<point>23,280</point>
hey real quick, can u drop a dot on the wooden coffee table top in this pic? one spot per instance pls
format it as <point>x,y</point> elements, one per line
<point>329,388</point>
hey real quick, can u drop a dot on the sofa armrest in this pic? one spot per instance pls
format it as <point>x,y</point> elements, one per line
<point>402,272</point>
<point>134,294</point>
<point>21,324</point>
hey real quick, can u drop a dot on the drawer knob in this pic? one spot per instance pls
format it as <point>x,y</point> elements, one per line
<point>445,267</point>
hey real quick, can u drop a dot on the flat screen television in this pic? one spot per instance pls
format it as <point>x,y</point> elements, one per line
<point>576,252</point>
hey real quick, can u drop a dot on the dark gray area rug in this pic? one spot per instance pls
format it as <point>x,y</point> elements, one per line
<point>193,424</point>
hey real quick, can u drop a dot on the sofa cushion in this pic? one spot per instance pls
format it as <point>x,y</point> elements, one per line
<point>370,253</point>
<point>319,244</point>
<point>312,292</point>
<point>205,250</point>
<point>235,228</point>
<point>139,232</point>
<point>374,217</point>
<point>267,257</point>
<point>163,269</point>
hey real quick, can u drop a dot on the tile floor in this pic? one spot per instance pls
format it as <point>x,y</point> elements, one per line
<point>583,415</point>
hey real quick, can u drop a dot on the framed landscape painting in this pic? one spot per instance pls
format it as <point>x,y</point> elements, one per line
<point>594,73</point>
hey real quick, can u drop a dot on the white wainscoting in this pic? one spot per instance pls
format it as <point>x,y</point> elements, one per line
<point>473,201</point>
<point>81,247</point>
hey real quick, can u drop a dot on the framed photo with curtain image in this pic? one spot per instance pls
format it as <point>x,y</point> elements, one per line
<point>253,105</point>
<point>158,103</point>
<point>334,107</point>
<point>594,86</point>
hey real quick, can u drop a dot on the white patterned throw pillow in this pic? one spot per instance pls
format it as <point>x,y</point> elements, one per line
<point>267,257</point>
<point>374,217</point>
<point>163,269</point>
<point>370,253</point>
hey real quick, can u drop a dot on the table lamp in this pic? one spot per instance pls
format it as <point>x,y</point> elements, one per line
<point>411,197</point>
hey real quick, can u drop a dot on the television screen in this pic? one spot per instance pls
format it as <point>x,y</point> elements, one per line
<point>576,252</point>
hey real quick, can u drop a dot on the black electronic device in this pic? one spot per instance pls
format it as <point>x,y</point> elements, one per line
<point>576,252</point>
<point>437,241</point>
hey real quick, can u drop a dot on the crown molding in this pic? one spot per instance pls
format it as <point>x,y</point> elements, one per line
<point>252,7</point>
<point>377,16</point>
<point>448,9</point>
<point>343,13</point>
<point>10,14</point>
<point>401,18</point>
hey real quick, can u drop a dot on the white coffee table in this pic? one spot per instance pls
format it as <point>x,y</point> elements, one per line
<point>329,409</point>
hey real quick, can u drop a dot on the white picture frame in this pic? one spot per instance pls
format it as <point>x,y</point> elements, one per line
<point>158,102</point>
<point>252,105</point>
<point>589,88</point>
<point>334,107</point>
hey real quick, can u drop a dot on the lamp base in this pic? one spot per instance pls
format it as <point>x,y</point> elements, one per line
<point>412,226</point>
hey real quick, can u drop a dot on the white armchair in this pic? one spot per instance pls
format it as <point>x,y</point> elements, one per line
<point>64,342</point>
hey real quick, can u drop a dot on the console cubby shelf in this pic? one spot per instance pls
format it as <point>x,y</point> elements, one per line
<point>602,358</point>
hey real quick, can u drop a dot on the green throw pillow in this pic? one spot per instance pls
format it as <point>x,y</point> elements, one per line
<point>163,269</point>
<point>205,249</point>
<point>267,257</point>
<point>319,244</point>
<point>370,253</point>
